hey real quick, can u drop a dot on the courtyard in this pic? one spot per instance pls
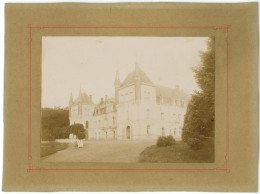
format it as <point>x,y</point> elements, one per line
<point>102,151</point>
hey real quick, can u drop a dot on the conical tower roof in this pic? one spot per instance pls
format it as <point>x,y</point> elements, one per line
<point>117,79</point>
<point>71,97</point>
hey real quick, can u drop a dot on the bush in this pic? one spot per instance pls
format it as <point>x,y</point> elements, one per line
<point>195,143</point>
<point>164,141</point>
<point>48,136</point>
<point>76,129</point>
<point>81,135</point>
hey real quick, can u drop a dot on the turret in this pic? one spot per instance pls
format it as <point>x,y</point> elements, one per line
<point>137,82</point>
<point>117,86</point>
<point>71,99</point>
<point>80,102</point>
<point>80,95</point>
<point>70,103</point>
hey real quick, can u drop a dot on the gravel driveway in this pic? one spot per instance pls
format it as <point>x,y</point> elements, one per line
<point>102,151</point>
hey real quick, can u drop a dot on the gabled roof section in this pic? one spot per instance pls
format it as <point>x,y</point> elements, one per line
<point>84,99</point>
<point>169,94</point>
<point>105,106</point>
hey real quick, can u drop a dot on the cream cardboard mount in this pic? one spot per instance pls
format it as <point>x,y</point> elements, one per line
<point>235,28</point>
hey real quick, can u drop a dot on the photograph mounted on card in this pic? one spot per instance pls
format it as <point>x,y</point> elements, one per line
<point>141,118</point>
<point>103,90</point>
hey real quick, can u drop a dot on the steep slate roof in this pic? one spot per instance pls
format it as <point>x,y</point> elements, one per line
<point>169,94</point>
<point>108,101</point>
<point>102,106</point>
<point>84,98</point>
<point>130,79</point>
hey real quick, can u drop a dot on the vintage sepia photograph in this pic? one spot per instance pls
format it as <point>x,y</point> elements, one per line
<point>128,99</point>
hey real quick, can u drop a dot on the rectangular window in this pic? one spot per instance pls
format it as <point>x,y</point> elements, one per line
<point>162,116</point>
<point>147,114</point>
<point>163,132</point>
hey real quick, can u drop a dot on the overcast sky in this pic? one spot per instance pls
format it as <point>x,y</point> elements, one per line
<point>90,63</point>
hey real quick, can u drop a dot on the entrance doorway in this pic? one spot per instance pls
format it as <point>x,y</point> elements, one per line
<point>128,132</point>
<point>148,129</point>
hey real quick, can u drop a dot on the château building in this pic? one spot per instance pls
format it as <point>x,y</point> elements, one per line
<point>139,110</point>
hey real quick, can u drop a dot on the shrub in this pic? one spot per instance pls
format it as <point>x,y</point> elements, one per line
<point>81,135</point>
<point>164,141</point>
<point>48,136</point>
<point>195,143</point>
<point>76,129</point>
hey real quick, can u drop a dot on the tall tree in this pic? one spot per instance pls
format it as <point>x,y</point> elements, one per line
<point>53,119</point>
<point>200,117</point>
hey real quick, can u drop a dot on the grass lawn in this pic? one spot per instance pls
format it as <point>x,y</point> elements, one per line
<point>179,153</point>
<point>52,147</point>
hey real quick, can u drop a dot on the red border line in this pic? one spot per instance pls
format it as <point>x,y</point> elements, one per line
<point>225,29</point>
<point>180,170</point>
<point>29,96</point>
<point>227,111</point>
<point>122,27</point>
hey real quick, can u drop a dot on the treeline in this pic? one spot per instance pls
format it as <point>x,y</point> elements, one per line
<point>199,121</point>
<point>55,125</point>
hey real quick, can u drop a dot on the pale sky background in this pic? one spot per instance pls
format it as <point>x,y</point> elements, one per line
<point>90,63</point>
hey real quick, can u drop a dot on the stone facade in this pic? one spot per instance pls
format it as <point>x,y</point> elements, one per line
<point>139,110</point>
